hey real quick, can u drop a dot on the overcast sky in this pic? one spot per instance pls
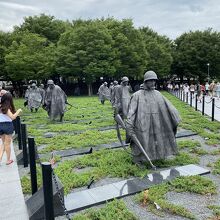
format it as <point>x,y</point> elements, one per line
<point>167,17</point>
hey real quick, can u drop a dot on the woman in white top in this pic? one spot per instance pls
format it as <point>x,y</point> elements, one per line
<point>7,114</point>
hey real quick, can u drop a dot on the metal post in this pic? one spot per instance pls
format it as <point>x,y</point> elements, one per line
<point>15,125</point>
<point>190,99</point>
<point>19,133</point>
<point>181,95</point>
<point>24,144</point>
<point>196,101</point>
<point>203,104</point>
<point>31,147</point>
<point>48,191</point>
<point>213,109</point>
<point>187,98</point>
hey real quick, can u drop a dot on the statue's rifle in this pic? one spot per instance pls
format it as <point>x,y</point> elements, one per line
<point>120,122</point>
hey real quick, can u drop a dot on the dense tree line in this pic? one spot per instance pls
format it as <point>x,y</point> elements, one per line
<point>44,47</point>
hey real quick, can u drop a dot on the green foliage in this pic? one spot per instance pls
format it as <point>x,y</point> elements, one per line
<point>194,50</point>
<point>215,209</point>
<point>26,181</point>
<point>198,151</point>
<point>160,51</point>
<point>195,184</point>
<point>103,163</point>
<point>30,58</point>
<point>188,144</point>
<point>86,139</point>
<point>182,158</point>
<point>44,25</point>
<point>89,50</point>
<point>156,194</point>
<point>112,211</point>
<point>216,169</point>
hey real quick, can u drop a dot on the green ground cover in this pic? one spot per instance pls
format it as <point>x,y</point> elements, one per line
<point>110,163</point>
<point>156,194</point>
<point>112,211</point>
<point>104,163</point>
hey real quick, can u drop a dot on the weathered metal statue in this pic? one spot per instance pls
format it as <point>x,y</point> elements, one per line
<point>112,91</point>
<point>122,97</point>
<point>151,123</point>
<point>104,93</point>
<point>55,101</point>
<point>34,98</point>
<point>42,92</point>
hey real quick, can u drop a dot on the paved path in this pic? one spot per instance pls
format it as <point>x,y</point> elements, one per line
<point>208,107</point>
<point>12,204</point>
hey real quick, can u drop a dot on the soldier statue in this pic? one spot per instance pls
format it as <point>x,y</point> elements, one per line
<point>153,121</point>
<point>55,101</point>
<point>122,97</point>
<point>104,93</point>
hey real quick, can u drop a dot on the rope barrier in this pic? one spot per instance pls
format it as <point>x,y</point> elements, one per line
<point>217,106</point>
<point>208,102</point>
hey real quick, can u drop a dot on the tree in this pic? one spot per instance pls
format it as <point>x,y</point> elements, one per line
<point>4,44</point>
<point>44,25</point>
<point>194,50</point>
<point>131,54</point>
<point>86,52</point>
<point>30,58</point>
<point>159,50</point>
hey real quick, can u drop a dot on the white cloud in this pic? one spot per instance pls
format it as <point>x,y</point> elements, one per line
<point>168,17</point>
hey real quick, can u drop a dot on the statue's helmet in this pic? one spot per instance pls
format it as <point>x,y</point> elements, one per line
<point>149,75</point>
<point>105,83</point>
<point>50,82</point>
<point>115,82</point>
<point>124,79</point>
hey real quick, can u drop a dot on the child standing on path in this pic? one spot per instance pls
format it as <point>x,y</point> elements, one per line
<point>7,114</point>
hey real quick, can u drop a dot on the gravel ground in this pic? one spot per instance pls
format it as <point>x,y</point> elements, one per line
<point>197,204</point>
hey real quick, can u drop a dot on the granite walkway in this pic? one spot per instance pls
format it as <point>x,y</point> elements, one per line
<point>12,204</point>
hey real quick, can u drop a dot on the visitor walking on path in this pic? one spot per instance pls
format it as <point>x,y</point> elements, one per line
<point>217,89</point>
<point>2,92</point>
<point>212,89</point>
<point>186,88</point>
<point>192,89</point>
<point>207,88</point>
<point>7,114</point>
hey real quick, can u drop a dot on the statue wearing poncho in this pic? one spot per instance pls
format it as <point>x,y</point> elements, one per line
<point>34,97</point>
<point>153,120</point>
<point>104,93</point>
<point>121,97</point>
<point>55,101</point>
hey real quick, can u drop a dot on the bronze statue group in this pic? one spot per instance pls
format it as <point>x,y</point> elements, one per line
<point>149,119</point>
<point>53,99</point>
